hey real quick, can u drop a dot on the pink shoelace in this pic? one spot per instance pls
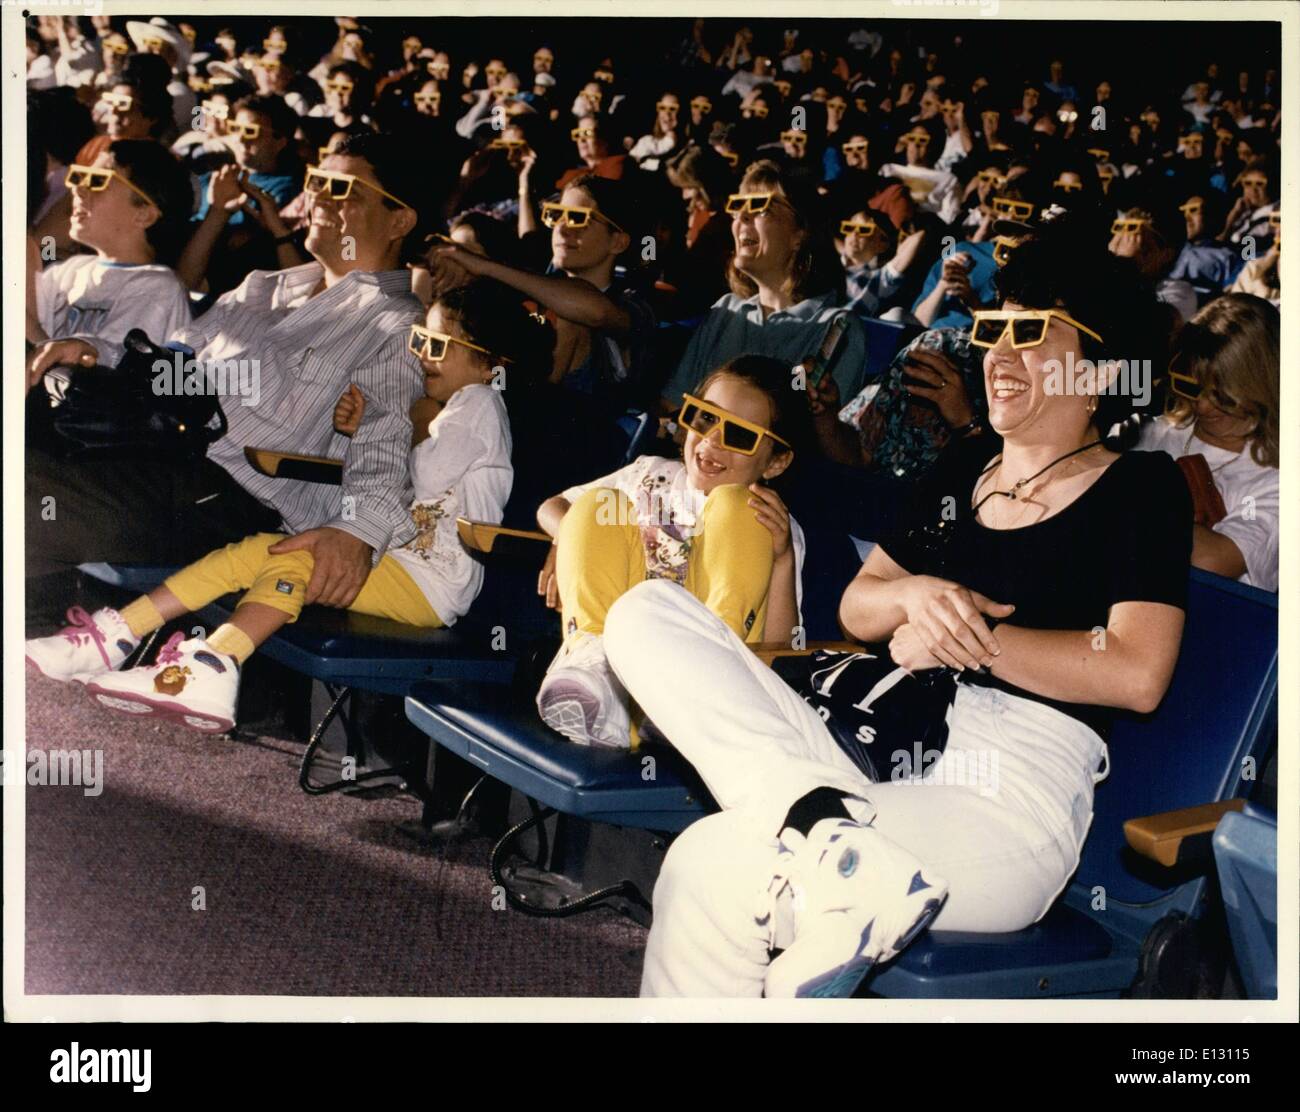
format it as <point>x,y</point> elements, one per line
<point>82,630</point>
<point>169,654</point>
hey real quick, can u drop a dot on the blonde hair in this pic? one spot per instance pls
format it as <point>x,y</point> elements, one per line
<point>1233,347</point>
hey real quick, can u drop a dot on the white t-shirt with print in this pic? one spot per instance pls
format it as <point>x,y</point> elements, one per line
<point>462,470</point>
<point>91,299</point>
<point>1250,494</point>
<point>668,508</point>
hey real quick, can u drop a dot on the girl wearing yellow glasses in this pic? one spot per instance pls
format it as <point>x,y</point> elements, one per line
<point>707,522</point>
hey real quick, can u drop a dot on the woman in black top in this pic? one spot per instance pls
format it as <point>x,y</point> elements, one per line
<point>1053,607</point>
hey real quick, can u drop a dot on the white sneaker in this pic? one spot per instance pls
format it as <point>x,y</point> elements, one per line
<point>191,683</point>
<point>89,645</point>
<point>855,900</point>
<point>581,698</point>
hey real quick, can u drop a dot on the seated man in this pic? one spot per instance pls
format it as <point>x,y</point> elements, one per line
<point>236,230</point>
<point>308,332</point>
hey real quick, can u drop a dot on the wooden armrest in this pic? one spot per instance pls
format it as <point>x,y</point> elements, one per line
<point>480,536</point>
<point>1160,837</point>
<point>768,651</point>
<point>287,465</point>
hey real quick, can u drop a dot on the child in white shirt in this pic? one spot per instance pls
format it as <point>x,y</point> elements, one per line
<point>707,522</point>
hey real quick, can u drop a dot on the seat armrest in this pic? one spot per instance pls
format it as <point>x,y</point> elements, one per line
<point>482,536</point>
<point>1160,837</point>
<point>288,465</point>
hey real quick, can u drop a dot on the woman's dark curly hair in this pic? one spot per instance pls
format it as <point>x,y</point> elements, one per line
<point>1065,265</point>
<point>493,316</point>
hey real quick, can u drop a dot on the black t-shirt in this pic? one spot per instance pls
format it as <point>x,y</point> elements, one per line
<point>1127,538</point>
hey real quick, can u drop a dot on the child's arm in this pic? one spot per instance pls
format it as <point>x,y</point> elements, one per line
<point>574,299</point>
<point>782,605</point>
<point>347,413</point>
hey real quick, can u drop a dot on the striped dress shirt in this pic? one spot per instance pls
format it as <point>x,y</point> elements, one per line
<point>301,353</point>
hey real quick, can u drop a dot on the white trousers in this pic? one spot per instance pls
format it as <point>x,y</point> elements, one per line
<point>1001,815</point>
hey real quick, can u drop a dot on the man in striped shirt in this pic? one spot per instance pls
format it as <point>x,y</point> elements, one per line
<point>305,334</point>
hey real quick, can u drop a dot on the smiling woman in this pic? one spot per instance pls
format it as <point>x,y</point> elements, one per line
<point>786,284</point>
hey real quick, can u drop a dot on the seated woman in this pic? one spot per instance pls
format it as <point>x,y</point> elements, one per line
<point>1059,548</point>
<point>597,152</point>
<point>1152,237</point>
<point>709,522</point>
<point>459,464</point>
<point>603,327</point>
<point>1208,265</point>
<point>665,136</point>
<point>787,286</point>
<point>1223,421</point>
<point>934,191</point>
<point>132,209</point>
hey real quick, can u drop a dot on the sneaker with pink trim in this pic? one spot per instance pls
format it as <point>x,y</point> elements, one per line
<point>190,683</point>
<point>88,645</point>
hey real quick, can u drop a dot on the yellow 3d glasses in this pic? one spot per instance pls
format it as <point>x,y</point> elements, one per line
<point>702,105</point>
<point>1028,327</point>
<point>861,227</point>
<point>575,216</point>
<point>1192,207</point>
<point>667,106</point>
<point>998,180</point>
<point>796,139</point>
<point>735,435</point>
<point>855,146</point>
<point>244,131</point>
<point>218,109</point>
<point>95,179</point>
<point>1101,154</point>
<point>1016,210</point>
<point>753,203</point>
<point>339,185</point>
<point>507,144</point>
<point>1068,186</point>
<point>428,98</point>
<point>425,343</point>
<point>1129,224</point>
<point>118,102</point>
<point>117,46</point>
<point>1002,248</point>
<point>582,133</point>
<point>339,86</point>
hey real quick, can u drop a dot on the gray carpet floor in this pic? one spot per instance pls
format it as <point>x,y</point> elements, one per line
<point>304,895</point>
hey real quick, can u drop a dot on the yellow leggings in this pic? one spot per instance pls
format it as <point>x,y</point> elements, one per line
<point>281,582</point>
<point>602,555</point>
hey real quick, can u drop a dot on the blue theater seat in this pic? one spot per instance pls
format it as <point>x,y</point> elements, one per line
<point>1107,933</point>
<point>1245,849</point>
<point>885,339</point>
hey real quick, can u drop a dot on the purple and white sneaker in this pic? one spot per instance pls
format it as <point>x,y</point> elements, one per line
<point>90,644</point>
<point>190,683</point>
<point>581,697</point>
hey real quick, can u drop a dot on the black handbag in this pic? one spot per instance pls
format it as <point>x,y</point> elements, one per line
<point>135,408</point>
<point>891,723</point>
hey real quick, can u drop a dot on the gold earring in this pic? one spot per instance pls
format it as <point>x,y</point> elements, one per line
<point>1092,406</point>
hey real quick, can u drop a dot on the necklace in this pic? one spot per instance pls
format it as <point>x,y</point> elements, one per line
<point>1017,487</point>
